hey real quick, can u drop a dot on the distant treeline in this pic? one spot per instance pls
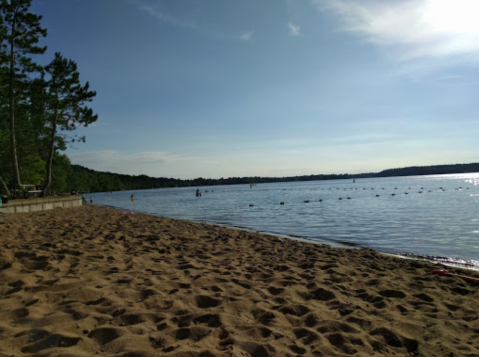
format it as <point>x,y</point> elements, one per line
<point>84,179</point>
<point>430,170</point>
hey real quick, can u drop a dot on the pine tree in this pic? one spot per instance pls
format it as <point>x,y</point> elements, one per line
<point>66,109</point>
<point>21,32</point>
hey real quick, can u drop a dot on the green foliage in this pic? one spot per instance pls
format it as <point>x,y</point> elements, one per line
<point>65,107</point>
<point>37,105</point>
<point>66,96</point>
<point>20,33</point>
<point>61,169</point>
<point>5,174</point>
<point>21,29</point>
<point>430,170</point>
<point>84,179</point>
<point>32,169</point>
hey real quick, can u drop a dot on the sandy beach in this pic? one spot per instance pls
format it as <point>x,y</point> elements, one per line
<point>91,281</point>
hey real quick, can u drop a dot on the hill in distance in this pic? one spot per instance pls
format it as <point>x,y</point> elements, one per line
<point>84,179</point>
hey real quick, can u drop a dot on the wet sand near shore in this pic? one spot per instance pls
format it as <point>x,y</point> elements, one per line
<point>90,281</point>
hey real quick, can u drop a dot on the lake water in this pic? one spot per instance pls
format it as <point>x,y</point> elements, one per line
<point>435,216</point>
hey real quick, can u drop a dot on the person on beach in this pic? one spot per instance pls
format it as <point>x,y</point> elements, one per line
<point>83,197</point>
<point>91,199</point>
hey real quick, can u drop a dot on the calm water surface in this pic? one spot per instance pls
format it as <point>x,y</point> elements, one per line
<point>435,216</point>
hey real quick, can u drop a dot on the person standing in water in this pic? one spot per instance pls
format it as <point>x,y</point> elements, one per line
<point>132,198</point>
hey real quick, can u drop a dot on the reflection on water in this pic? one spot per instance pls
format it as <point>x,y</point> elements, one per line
<point>434,216</point>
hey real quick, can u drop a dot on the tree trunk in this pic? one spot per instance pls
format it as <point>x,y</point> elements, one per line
<point>48,178</point>
<point>13,143</point>
<point>5,188</point>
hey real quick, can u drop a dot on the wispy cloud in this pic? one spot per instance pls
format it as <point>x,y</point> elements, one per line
<point>247,36</point>
<point>153,9</point>
<point>412,29</point>
<point>294,30</point>
<point>164,17</point>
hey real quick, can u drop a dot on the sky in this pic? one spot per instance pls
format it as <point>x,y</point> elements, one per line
<point>233,88</point>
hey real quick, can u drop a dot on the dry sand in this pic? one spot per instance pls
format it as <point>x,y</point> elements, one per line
<point>90,281</point>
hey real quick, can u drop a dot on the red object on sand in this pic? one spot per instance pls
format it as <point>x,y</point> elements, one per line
<point>446,273</point>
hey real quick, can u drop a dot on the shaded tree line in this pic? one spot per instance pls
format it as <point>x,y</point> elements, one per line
<point>431,170</point>
<point>84,179</point>
<point>40,105</point>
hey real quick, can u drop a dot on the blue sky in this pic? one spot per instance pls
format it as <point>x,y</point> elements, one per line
<point>223,88</point>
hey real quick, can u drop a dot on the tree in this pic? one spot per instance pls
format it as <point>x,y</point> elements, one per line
<point>61,169</point>
<point>66,109</point>
<point>21,33</point>
<point>3,105</point>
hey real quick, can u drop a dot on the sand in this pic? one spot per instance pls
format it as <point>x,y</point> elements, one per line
<point>89,281</point>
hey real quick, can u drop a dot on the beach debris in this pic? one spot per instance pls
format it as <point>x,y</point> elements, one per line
<point>277,239</point>
<point>128,213</point>
<point>351,244</point>
<point>447,273</point>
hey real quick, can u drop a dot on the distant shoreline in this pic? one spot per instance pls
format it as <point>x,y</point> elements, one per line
<point>84,179</point>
